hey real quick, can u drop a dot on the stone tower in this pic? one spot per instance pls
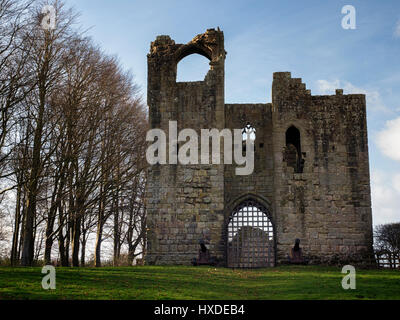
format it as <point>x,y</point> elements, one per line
<point>310,178</point>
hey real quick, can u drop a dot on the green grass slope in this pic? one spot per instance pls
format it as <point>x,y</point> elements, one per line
<point>179,282</point>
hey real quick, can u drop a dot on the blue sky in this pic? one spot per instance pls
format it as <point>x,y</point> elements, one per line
<point>261,37</point>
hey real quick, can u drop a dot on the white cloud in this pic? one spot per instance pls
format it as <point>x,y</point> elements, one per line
<point>388,140</point>
<point>397,29</point>
<point>396,182</point>
<point>325,86</point>
<point>373,97</point>
<point>385,186</point>
<point>385,194</point>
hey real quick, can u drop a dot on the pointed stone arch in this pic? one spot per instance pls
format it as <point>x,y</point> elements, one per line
<point>250,233</point>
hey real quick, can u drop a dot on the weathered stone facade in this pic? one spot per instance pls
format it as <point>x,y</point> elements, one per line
<point>311,164</point>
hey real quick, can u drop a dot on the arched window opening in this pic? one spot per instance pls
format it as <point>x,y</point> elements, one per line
<point>250,237</point>
<point>293,155</point>
<point>249,132</point>
<point>192,68</point>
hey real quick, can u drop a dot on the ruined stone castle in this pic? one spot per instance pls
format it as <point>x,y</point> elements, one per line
<point>310,180</point>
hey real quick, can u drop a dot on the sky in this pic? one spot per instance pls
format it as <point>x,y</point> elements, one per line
<point>261,37</point>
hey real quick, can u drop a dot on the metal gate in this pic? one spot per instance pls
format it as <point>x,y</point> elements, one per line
<point>250,237</point>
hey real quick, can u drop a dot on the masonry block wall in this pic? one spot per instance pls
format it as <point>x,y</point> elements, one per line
<point>316,189</point>
<point>185,202</point>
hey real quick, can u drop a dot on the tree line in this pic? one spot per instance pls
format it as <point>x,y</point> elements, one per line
<point>72,142</point>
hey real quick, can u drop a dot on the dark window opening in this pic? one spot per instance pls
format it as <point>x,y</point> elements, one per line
<point>293,155</point>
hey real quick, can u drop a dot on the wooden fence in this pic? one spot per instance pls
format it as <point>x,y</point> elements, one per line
<point>387,260</point>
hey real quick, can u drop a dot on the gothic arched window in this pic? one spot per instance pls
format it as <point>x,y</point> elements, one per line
<point>249,132</point>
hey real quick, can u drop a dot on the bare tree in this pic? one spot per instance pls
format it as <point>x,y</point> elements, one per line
<point>136,225</point>
<point>387,242</point>
<point>15,79</point>
<point>121,150</point>
<point>73,143</point>
<point>47,50</point>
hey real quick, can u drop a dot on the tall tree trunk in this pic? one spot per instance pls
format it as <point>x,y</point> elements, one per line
<point>55,203</point>
<point>67,242</point>
<point>17,222</point>
<point>49,235</point>
<point>76,229</point>
<point>99,235</point>
<point>61,237</point>
<point>83,249</point>
<point>76,234</point>
<point>100,225</point>
<point>61,249</point>
<point>28,243</point>
<point>21,240</point>
<point>117,235</point>
<point>29,240</point>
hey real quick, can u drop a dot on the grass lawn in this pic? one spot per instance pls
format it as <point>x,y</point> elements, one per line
<point>157,282</point>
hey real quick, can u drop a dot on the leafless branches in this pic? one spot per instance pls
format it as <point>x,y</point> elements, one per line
<point>72,140</point>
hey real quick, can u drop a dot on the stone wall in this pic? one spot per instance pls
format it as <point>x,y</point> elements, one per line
<point>326,203</point>
<point>328,206</point>
<point>185,202</point>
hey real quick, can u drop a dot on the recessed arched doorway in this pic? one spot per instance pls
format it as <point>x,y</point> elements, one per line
<point>251,241</point>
